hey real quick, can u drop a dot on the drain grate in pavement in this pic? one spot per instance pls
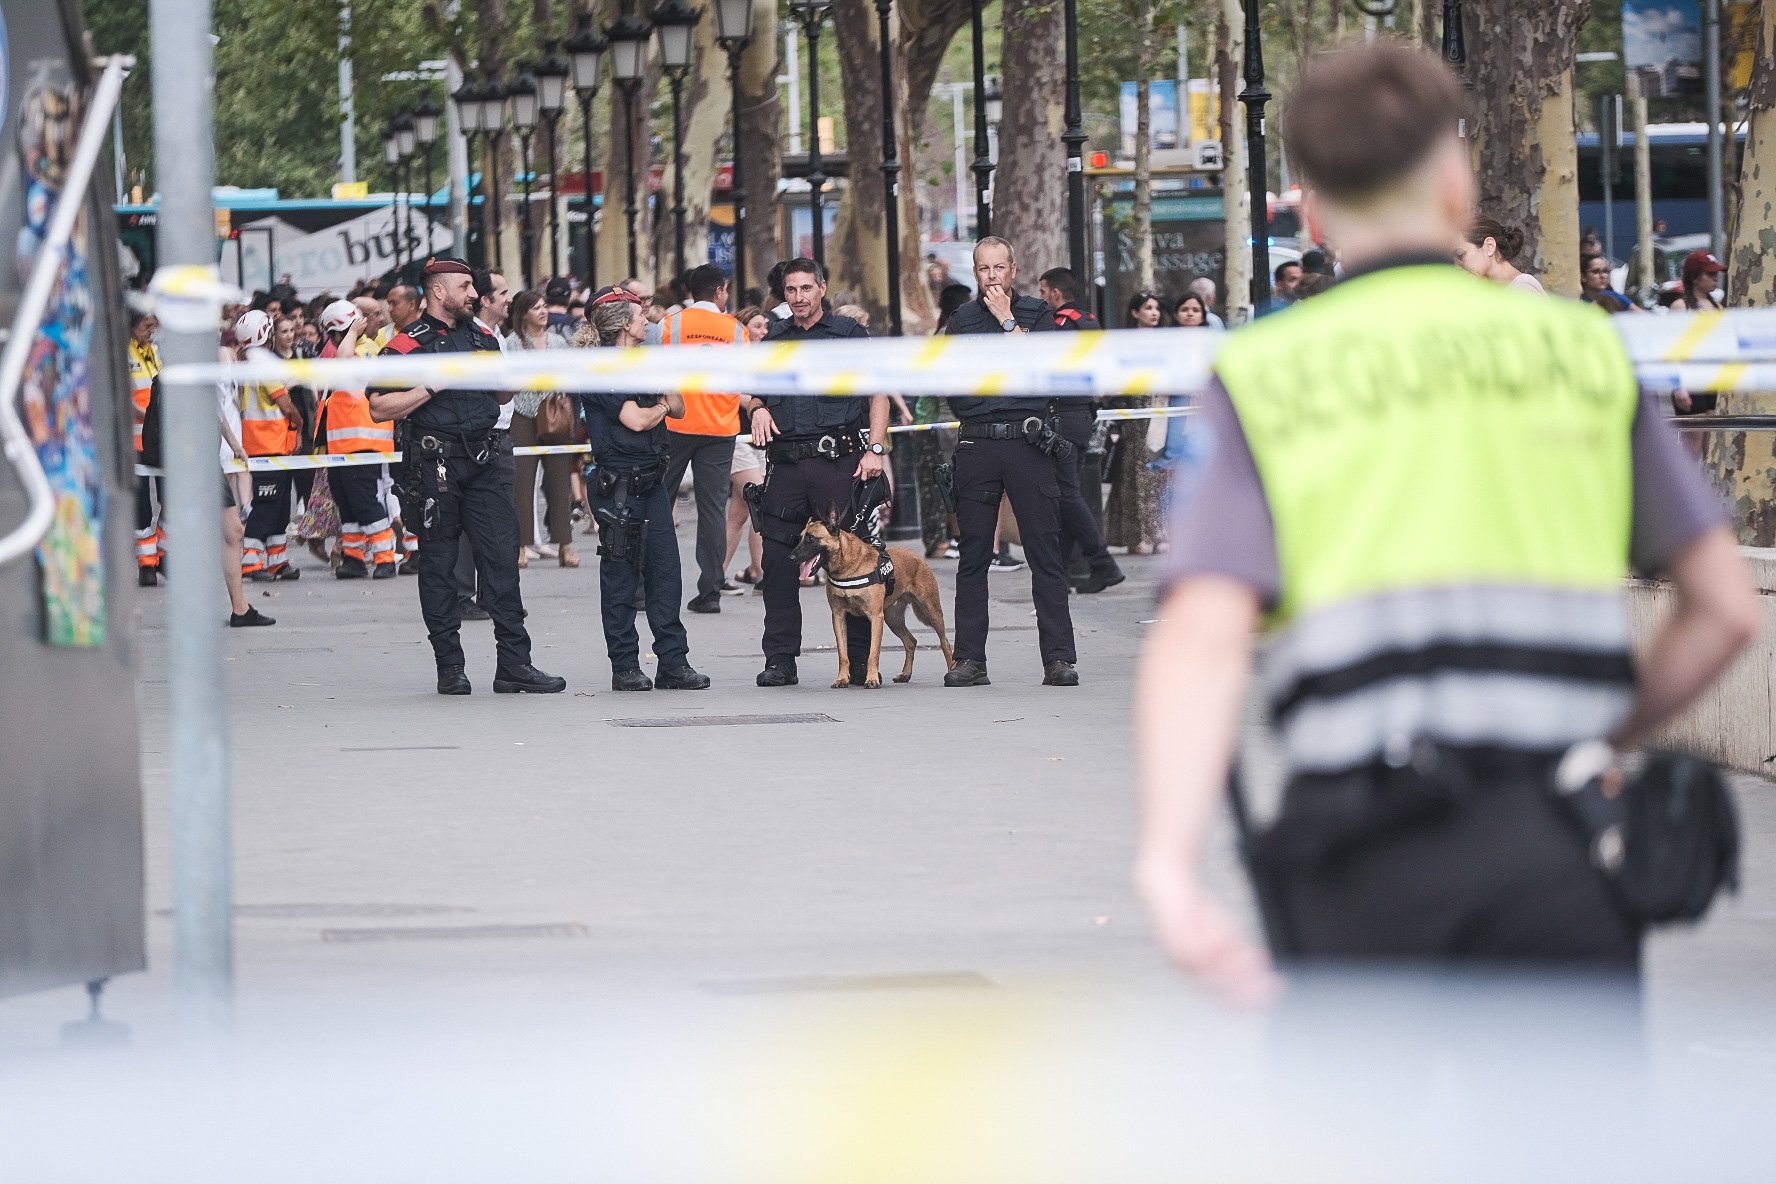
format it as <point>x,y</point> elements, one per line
<point>722,721</point>
<point>559,930</point>
<point>409,748</point>
<point>301,911</point>
<point>965,980</point>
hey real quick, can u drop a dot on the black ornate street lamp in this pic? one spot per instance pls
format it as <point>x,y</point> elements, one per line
<point>733,29</point>
<point>525,107</point>
<point>391,152</point>
<point>551,79</point>
<point>405,141</point>
<point>425,134</point>
<point>467,98</point>
<point>493,126</point>
<point>811,14</point>
<point>585,53</point>
<point>628,37</point>
<point>676,23</point>
<point>890,165</point>
<point>983,160</point>
<point>1254,97</point>
<point>1074,138</point>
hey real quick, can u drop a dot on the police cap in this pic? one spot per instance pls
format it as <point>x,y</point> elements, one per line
<point>447,265</point>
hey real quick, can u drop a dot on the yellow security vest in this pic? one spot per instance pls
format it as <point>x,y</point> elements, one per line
<point>1448,467</point>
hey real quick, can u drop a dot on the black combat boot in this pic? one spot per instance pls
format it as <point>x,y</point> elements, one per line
<point>681,678</point>
<point>969,672</point>
<point>511,680</point>
<point>452,681</point>
<point>630,680</point>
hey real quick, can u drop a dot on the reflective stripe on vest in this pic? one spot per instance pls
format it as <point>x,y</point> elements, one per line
<point>1448,467</point>
<point>349,426</point>
<point>264,430</point>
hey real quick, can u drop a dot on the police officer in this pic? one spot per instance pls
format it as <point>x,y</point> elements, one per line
<point>1077,418</point>
<point>1008,447</point>
<point>453,483</point>
<point>1434,486</point>
<point>817,449</point>
<point>632,503</point>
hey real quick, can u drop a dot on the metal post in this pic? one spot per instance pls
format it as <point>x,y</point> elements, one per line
<point>526,236</point>
<point>426,214</point>
<point>629,88</point>
<point>1606,162</point>
<point>961,170</point>
<point>493,210</point>
<point>1711,73</point>
<point>1254,96</point>
<point>983,160</point>
<point>403,214</point>
<point>736,182</point>
<point>676,79</point>
<point>474,246</point>
<point>554,203</point>
<point>812,21</point>
<point>1643,185</point>
<point>348,117</point>
<point>184,140</point>
<point>457,155</point>
<point>890,166</point>
<point>591,205</point>
<point>1074,138</point>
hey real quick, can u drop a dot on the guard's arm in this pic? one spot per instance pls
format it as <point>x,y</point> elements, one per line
<point>387,405</point>
<point>870,463</point>
<point>637,418</point>
<point>1717,615</point>
<point>1187,711</point>
<point>283,402</point>
<point>675,405</point>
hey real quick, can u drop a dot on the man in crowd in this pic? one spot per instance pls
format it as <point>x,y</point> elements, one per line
<point>1204,289</point>
<point>271,425</point>
<point>556,295</point>
<point>1287,281</point>
<point>819,449</point>
<point>1008,448</point>
<point>1076,418</point>
<point>454,484</point>
<point>702,437</point>
<point>376,321</point>
<point>1439,662</point>
<point>366,534</point>
<point>144,367</point>
<point>403,307</point>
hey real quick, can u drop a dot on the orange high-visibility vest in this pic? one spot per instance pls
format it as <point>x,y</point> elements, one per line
<point>264,430</point>
<point>345,416</point>
<point>705,414</point>
<point>144,365</point>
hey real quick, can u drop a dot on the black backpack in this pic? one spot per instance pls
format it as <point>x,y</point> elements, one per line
<point>151,436</point>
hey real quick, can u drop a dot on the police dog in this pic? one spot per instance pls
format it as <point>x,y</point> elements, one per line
<point>846,557</point>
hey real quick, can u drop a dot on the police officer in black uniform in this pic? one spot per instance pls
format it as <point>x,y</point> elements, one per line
<point>1009,447</point>
<point>633,507</point>
<point>455,481</point>
<point>818,448</point>
<point>1077,418</point>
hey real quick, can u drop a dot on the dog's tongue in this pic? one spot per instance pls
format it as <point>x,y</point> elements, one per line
<point>809,568</point>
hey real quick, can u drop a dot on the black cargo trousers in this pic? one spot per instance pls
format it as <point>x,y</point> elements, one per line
<point>796,491</point>
<point>987,470</point>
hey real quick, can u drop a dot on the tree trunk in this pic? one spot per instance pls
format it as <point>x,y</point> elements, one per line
<point>1521,63</point>
<point>1143,203</point>
<point>706,110</point>
<point>1230,44</point>
<point>1029,192</point>
<point>613,228</point>
<point>1751,273</point>
<point>761,123</point>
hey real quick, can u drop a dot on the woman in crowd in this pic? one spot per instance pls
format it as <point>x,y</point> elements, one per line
<point>1701,283</point>
<point>1490,250</point>
<point>1131,512</point>
<point>748,469</point>
<point>1190,312</point>
<point>1594,281</point>
<point>530,330</point>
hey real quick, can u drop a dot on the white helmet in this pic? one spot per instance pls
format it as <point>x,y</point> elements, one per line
<point>338,316</point>
<point>253,329</point>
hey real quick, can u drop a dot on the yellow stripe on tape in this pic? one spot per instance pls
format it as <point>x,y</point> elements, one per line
<point>781,356</point>
<point>933,352</point>
<point>1731,376</point>
<point>1693,337</point>
<point>991,383</point>
<point>846,383</point>
<point>1083,349</point>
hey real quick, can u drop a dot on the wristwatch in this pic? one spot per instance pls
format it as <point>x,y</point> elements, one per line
<point>1009,324</point>
<point>877,449</point>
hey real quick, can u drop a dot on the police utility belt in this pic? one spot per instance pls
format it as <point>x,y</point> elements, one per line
<point>1033,430</point>
<point>427,444</point>
<point>620,526</point>
<point>832,446</point>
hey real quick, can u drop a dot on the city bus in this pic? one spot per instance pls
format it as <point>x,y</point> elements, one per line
<point>1679,158</point>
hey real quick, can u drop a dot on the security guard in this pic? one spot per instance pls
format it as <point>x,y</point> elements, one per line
<point>1009,447</point>
<point>271,425</point>
<point>1077,418</point>
<point>144,367</point>
<point>817,448</point>
<point>366,535</point>
<point>452,483</point>
<point>632,503</point>
<point>1433,486</point>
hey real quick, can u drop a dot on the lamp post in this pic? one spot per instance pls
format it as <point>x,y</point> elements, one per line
<point>407,138</point>
<point>425,134</point>
<point>585,53</point>
<point>628,37</point>
<point>676,23</point>
<point>983,162</point>
<point>467,98</point>
<point>493,126</point>
<point>551,82</point>
<point>1074,138</point>
<point>523,93</point>
<point>890,166</point>
<point>391,152</point>
<point>1455,46</point>
<point>733,25</point>
<point>811,14</point>
<point>1254,97</point>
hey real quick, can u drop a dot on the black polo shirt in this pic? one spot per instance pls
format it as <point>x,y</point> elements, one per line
<point>802,416</point>
<point>460,413</point>
<point>1031,314</point>
<point>619,447</point>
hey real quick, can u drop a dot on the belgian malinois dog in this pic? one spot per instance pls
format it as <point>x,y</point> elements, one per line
<point>847,557</point>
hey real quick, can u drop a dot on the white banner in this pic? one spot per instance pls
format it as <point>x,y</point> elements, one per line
<point>329,260</point>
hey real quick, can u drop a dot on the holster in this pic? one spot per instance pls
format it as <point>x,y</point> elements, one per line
<point>430,504</point>
<point>620,528</point>
<point>770,525</point>
<point>943,474</point>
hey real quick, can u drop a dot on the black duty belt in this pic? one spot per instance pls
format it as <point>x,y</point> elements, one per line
<point>423,443</point>
<point>634,482</point>
<point>831,446</point>
<point>1012,429</point>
